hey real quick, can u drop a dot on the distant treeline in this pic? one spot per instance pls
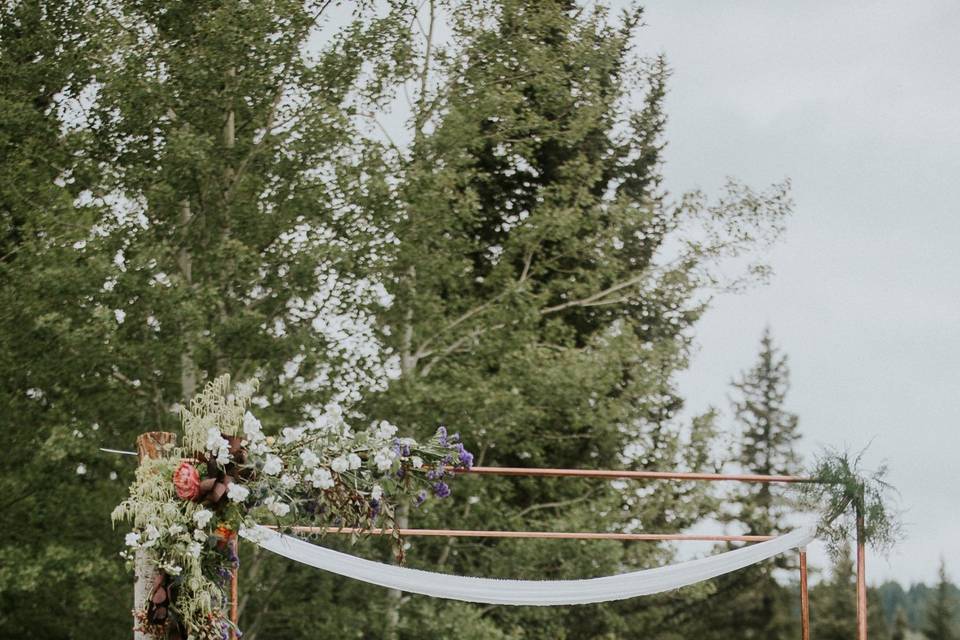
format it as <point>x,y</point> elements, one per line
<point>914,601</point>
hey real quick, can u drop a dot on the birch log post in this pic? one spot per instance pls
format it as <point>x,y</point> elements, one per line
<point>152,444</point>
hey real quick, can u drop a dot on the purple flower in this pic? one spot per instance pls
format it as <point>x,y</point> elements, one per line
<point>442,435</point>
<point>401,472</point>
<point>232,555</point>
<point>441,490</point>
<point>466,458</point>
<point>435,474</point>
<point>374,509</point>
<point>421,498</point>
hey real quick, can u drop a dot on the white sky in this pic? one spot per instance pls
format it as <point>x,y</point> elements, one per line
<point>856,102</point>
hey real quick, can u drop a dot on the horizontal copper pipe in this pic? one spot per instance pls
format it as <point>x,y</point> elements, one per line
<point>553,535</point>
<point>610,474</point>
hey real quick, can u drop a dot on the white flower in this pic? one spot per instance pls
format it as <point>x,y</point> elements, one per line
<point>113,475</point>
<point>202,518</point>
<point>354,461</point>
<point>288,481</point>
<point>218,445</point>
<point>119,315</point>
<point>259,448</point>
<point>132,539</point>
<point>273,465</point>
<point>385,430</point>
<point>309,459</point>
<point>333,411</point>
<point>81,469</point>
<point>200,535</point>
<point>291,435</point>
<point>321,478</point>
<point>252,429</point>
<point>339,464</point>
<point>176,530</point>
<point>152,534</point>
<point>276,507</point>
<point>416,461</point>
<point>255,534</point>
<point>194,549</point>
<point>384,459</point>
<point>173,570</point>
<point>237,492</point>
<point>376,493</point>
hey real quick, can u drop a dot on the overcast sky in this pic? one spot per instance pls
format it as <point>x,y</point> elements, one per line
<point>859,104</point>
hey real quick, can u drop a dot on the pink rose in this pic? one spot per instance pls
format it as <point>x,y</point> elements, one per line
<point>186,479</point>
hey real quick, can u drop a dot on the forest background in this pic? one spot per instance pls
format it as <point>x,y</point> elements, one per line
<point>194,188</point>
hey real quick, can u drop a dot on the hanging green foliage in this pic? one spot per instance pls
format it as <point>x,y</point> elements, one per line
<point>842,491</point>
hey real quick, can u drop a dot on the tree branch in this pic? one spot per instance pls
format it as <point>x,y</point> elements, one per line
<point>597,298</point>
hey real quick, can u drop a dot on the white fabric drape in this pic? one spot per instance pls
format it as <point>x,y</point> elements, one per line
<point>527,592</point>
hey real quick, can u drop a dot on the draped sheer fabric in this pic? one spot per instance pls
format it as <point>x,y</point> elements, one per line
<point>527,592</point>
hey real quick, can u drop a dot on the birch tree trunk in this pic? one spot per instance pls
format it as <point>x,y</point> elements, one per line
<point>150,445</point>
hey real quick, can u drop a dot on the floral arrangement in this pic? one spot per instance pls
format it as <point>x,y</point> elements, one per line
<point>187,507</point>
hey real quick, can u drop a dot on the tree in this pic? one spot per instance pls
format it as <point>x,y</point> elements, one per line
<point>941,610</point>
<point>752,603</point>
<point>768,433</point>
<point>58,559</point>
<point>833,604</point>
<point>900,626</point>
<point>215,203</point>
<point>172,182</point>
<point>535,305</point>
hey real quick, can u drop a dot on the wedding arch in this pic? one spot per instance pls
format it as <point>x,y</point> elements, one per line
<point>191,504</point>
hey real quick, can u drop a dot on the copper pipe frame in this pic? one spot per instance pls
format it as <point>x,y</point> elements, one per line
<point>606,474</point>
<point>861,576</point>
<point>804,598</point>
<point>610,474</point>
<point>542,535</point>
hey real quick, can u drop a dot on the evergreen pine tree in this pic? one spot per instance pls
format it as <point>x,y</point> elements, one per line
<point>768,437</point>
<point>752,603</point>
<point>877,624</point>
<point>535,307</point>
<point>212,203</point>
<point>900,625</point>
<point>940,623</point>
<point>833,603</point>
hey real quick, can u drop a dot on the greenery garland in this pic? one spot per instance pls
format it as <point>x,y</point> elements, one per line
<point>187,508</point>
<point>840,491</point>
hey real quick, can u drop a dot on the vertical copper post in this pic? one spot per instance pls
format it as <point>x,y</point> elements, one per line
<point>234,579</point>
<point>804,597</point>
<point>861,575</point>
